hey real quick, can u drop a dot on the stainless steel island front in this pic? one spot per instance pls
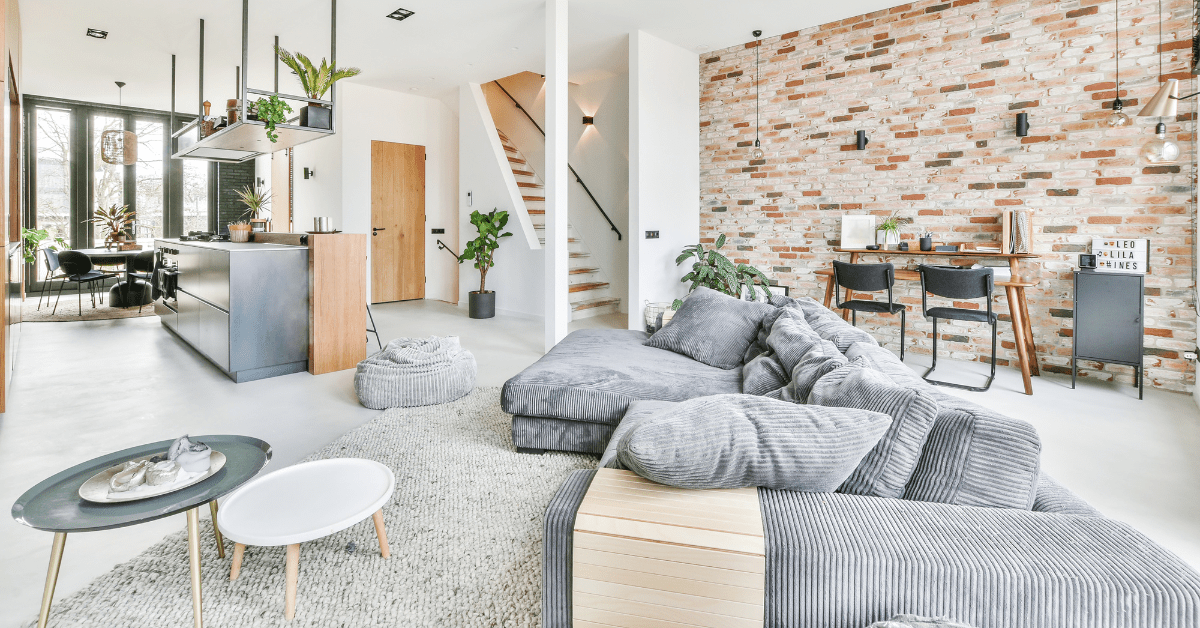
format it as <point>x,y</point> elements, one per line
<point>244,306</point>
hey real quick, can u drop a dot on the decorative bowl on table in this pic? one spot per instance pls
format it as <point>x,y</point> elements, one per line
<point>183,464</point>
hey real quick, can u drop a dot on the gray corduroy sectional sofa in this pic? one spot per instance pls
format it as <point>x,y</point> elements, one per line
<point>980,535</point>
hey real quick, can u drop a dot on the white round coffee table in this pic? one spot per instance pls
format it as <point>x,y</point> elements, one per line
<point>305,502</point>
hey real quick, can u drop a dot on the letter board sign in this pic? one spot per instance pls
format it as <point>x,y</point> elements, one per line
<point>1122,255</point>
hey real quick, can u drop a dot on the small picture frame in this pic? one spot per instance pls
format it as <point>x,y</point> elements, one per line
<point>857,231</point>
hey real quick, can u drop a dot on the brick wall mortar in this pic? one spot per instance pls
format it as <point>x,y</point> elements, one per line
<point>937,86</point>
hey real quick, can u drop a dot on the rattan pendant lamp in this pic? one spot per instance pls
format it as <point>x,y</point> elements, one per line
<point>119,147</point>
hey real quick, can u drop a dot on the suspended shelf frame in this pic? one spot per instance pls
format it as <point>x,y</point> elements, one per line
<point>246,139</point>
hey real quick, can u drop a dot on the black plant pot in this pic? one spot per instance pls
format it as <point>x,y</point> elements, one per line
<point>315,117</point>
<point>482,304</point>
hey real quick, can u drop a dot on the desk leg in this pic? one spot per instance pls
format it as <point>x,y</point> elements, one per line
<point>829,291</point>
<point>1030,346</point>
<point>193,528</point>
<point>1014,311</point>
<point>212,507</point>
<point>56,552</point>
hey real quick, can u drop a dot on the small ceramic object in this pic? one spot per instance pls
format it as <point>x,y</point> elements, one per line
<point>163,472</point>
<point>132,476</point>
<point>193,457</point>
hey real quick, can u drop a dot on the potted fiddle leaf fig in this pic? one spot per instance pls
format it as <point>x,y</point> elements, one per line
<point>482,250</point>
<point>315,80</point>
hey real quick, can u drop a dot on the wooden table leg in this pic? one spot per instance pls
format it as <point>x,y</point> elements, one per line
<point>849,292</point>
<point>236,568</point>
<point>292,573</point>
<point>829,291</point>
<point>1030,346</point>
<point>212,507</point>
<point>193,528</point>
<point>56,552</point>
<point>1014,312</point>
<point>381,533</point>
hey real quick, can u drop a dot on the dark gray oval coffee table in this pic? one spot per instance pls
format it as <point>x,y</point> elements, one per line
<point>54,505</point>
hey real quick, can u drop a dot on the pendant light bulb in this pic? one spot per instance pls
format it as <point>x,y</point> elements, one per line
<point>1160,150</point>
<point>757,153</point>
<point>1117,117</point>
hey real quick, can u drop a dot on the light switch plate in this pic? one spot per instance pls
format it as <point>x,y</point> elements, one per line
<point>651,235</point>
<point>438,231</point>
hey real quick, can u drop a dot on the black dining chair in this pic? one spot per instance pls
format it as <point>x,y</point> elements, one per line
<point>867,278</point>
<point>52,267</point>
<point>142,267</point>
<point>960,284</point>
<point>77,269</point>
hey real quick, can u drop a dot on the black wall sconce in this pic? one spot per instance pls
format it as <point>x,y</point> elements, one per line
<point>861,139</point>
<point>1022,124</point>
<point>589,120</point>
<point>310,174</point>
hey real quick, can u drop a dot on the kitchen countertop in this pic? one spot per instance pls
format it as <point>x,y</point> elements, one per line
<point>229,246</point>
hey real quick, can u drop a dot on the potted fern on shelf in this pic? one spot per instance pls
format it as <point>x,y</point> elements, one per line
<point>482,250</point>
<point>315,81</point>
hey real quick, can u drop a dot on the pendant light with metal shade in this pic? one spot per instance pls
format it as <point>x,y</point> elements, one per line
<point>1165,103</point>
<point>1117,117</point>
<point>757,153</point>
<point>119,147</point>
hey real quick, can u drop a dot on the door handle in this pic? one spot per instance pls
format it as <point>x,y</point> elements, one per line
<point>375,230</point>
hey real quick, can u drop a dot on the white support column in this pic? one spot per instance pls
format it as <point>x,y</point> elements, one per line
<point>556,172</point>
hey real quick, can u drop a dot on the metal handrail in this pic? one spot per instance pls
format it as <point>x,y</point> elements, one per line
<point>578,179</point>
<point>442,245</point>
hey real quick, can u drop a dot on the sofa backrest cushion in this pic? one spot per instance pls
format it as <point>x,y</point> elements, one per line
<point>830,326</point>
<point>820,360</point>
<point>886,470</point>
<point>973,456</point>
<point>735,441</point>
<point>712,328</point>
<point>977,457</point>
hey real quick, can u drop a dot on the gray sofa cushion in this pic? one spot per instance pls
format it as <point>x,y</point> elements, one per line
<point>734,441</point>
<point>886,470</point>
<point>712,327</point>
<point>763,374</point>
<point>1053,497</point>
<point>593,375</point>
<point>791,337</point>
<point>820,360</point>
<point>638,411</point>
<point>831,327</point>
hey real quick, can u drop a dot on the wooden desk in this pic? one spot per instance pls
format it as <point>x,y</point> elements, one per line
<point>1014,288</point>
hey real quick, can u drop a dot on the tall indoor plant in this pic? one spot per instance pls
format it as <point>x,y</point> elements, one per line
<point>315,80</point>
<point>482,304</point>
<point>114,219</point>
<point>713,270</point>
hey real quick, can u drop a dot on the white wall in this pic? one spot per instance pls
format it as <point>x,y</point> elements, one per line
<point>518,275</point>
<point>664,167</point>
<point>341,188</point>
<point>600,154</point>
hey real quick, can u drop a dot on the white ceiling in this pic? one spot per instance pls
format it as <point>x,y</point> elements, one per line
<point>445,44</point>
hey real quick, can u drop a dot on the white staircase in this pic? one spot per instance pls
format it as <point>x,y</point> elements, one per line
<point>588,292</point>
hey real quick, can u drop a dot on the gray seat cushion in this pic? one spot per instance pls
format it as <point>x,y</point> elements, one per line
<point>594,374</point>
<point>637,411</point>
<point>736,441</point>
<point>886,470</point>
<point>713,328</point>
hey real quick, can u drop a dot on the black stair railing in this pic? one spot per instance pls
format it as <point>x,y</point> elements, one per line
<point>442,245</point>
<point>578,179</point>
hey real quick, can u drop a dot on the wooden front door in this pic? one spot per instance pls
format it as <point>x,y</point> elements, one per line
<point>397,222</point>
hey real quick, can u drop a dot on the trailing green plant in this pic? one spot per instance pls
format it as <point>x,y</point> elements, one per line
<point>713,270</point>
<point>272,111</point>
<point>32,240</point>
<point>254,200</point>
<point>483,248</point>
<point>315,80</point>
<point>892,223</point>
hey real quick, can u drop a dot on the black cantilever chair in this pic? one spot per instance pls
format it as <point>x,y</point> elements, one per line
<point>867,278</point>
<point>959,284</point>
<point>144,266</point>
<point>77,269</point>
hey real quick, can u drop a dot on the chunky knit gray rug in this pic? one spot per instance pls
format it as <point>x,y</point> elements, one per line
<point>465,527</point>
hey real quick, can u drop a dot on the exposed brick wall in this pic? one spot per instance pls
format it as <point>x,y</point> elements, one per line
<point>230,179</point>
<point>937,86</point>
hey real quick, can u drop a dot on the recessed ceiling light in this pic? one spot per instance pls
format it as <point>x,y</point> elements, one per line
<point>400,14</point>
<point>702,47</point>
<point>97,33</point>
<point>414,89</point>
<point>516,47</point>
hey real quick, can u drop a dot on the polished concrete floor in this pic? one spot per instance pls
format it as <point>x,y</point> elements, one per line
<point>88,388</point>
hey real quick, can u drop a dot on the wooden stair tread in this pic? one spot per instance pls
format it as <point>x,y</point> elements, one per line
<point>583,287</point>
<point>585,270</point>
<point>534,198</point>
<point>578,254</point>
<point>515,160</point>
<point>536,212</point>
<point>528,184</point>
<point>523,173</point>
<point>592,303</point>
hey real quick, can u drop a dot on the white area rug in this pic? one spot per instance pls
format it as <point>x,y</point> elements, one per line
<point>465,527</point>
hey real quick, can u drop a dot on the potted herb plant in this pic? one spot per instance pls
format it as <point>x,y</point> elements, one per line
<point>114,219</point>
<point>482,250</point>
<point>713,270</point>
<point>887,234</point>
<point>315,80</point>
<point>271,111</point>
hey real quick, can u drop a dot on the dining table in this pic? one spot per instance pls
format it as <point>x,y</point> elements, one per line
<point>129,291</point>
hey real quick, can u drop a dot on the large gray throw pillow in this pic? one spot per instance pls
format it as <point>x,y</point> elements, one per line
<point>884,471</point>
<point>735,441</point>
<point>638,411</point>
<point>712,328</point>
